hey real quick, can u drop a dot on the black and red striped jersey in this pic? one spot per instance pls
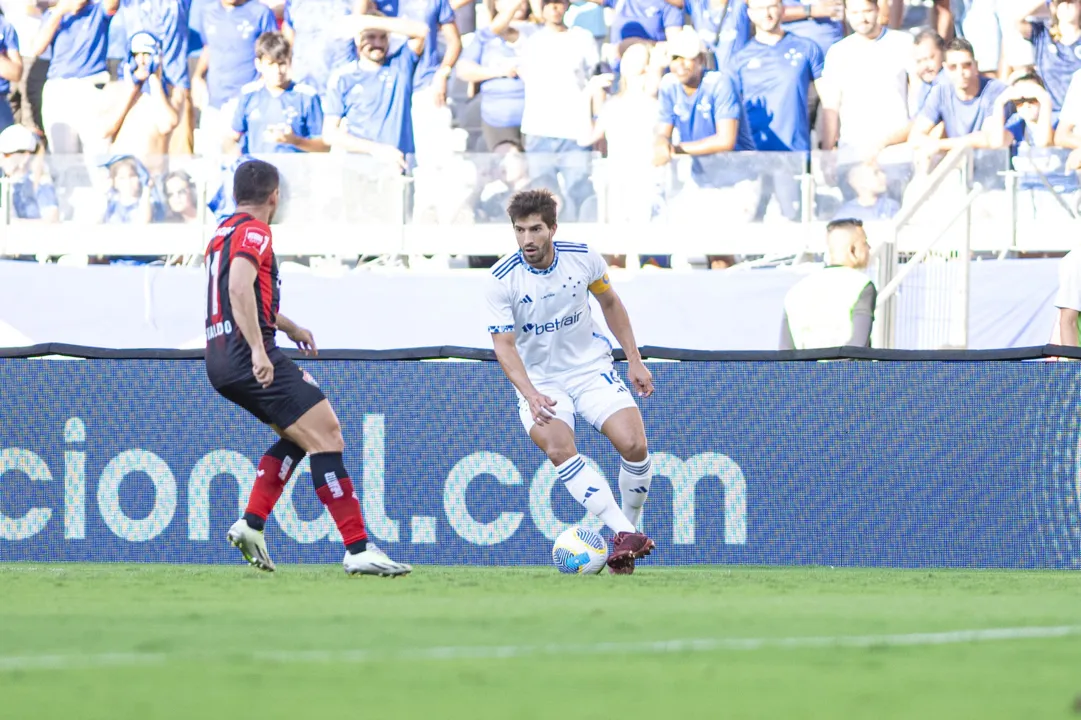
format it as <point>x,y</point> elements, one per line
<point>238,236</point>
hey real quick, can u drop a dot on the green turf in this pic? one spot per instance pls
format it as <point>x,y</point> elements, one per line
<point>199,628</point>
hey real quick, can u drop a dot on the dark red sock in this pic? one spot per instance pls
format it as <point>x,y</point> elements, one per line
<point>275,469</point>
<point>341,500</point>
<point>335,490</point>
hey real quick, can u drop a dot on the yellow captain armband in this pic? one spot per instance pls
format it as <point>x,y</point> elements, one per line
<point>601,285</point>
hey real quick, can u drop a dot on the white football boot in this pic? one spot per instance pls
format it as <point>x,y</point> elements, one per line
<point>374,561</point>
<point>251,545</point>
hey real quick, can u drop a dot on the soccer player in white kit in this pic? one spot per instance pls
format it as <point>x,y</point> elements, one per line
<point>560,363</point>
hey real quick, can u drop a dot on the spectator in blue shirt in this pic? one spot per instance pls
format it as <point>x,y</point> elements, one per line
<point>229,29</point>
<point>871,203</point>
<point>964,105</point>
<point>75,35</point>
<point>653,20</point>
<point>131,199</point>
<point>491,60</point>
<point>820,20</point>
<point>140,117</point>
<point>311,27</point>
<point>1056,46</point>
<point>32,194</point>
<point>776,70</point>
<point>11,69</point>
<point>928,49</point>
<point>367,105</point>
<point>706,110</point>
<point>723,26</point>
<point>431,118</point>
<point>276,114</point>
<point>167,20</point>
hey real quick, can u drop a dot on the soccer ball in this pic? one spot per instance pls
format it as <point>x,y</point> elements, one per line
<point>579,551</point>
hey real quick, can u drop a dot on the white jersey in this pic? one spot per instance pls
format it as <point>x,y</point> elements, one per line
<point>548,310</point>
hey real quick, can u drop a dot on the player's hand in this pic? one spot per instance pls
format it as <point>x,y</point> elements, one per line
<point>304,340</point>
<point>641,378</point>
<point>540,406</point>
<point>261,367</point>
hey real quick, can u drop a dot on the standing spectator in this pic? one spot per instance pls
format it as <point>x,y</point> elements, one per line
<point>139,115</point>
<point>776,70</point>
<point>1056,46</point>
<point>557,65</point>
<point>167,20</point>
<point>865,85</point>
<point>492,61</point>
<point>706,110</point>
<point>835,306</point>
<point>25,99</point>
<point>653,20</point>
<point>11,69</point>
<point>75,34</point>
<point>33,196</point>
<point>367,105</point>
<point>928,48</point>
<point>182,206</point>
<point>312,28</point>
<point>723,25</point>
<point>227,63</point>
<point>278,115</point>
<point>964,105</point>
<point>430,115</point>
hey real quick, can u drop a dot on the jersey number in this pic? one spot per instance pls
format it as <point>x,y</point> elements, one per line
<point>212,271</point>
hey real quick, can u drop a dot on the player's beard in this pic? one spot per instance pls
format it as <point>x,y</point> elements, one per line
<point>543,251</point>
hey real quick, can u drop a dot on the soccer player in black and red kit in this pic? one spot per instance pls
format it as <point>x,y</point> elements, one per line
<point>246,366</point>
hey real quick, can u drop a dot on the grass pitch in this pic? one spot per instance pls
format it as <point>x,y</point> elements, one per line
<point>82,642</point>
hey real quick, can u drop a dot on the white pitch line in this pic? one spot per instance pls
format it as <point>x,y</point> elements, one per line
<point>14,663</point>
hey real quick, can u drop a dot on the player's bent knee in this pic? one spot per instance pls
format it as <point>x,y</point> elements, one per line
<point>634,448</point>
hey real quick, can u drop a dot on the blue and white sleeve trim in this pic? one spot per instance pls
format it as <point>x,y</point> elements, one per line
<point>500,328</point>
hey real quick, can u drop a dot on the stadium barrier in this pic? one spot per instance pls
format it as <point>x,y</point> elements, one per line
<point>947,459</point>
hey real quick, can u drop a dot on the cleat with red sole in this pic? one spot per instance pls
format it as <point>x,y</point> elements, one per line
<point>626,548</point>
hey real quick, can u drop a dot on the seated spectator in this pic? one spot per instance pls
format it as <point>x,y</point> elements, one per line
<point>131,199</point>
<point>964,105</point>
<point>140,116</point>
<point>74,35</point>
<point>182,207</point>
<point>871,202</point>
<point>33,196</point>
<point>1022,115</point>
<point>367,106</point>
<point>229,29</point>
<point>491,60</point>
<point>312,29</point>
<point>276,114</point>
<point>928,48</point>
<point>511,176</point>
<point>1056,46</point>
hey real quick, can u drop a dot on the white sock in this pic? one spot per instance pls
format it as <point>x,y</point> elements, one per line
<point>587,487</point>
<point>634,481</point>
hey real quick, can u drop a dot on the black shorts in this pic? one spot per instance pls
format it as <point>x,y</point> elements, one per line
<point>281,404</point>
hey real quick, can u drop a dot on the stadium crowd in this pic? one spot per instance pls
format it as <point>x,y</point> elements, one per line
<point>135,88</point>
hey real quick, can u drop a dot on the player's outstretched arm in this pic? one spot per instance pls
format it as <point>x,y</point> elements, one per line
<point>242,274</point>
<point>513,367</point>
<point>619,322</point>
<point>301,336</point>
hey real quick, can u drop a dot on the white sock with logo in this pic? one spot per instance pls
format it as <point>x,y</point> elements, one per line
<point>587,487</point>
<point>634,482</point>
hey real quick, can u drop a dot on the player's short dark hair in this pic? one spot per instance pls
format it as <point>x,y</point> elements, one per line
<point>960,45</point>
<point>929,35</point>
<point>254,182</point>
<point>843,223</point>
<point>533,202</point>
<point>274,47</point>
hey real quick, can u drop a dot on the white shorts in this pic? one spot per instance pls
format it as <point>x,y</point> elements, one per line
<point>596,394</point>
